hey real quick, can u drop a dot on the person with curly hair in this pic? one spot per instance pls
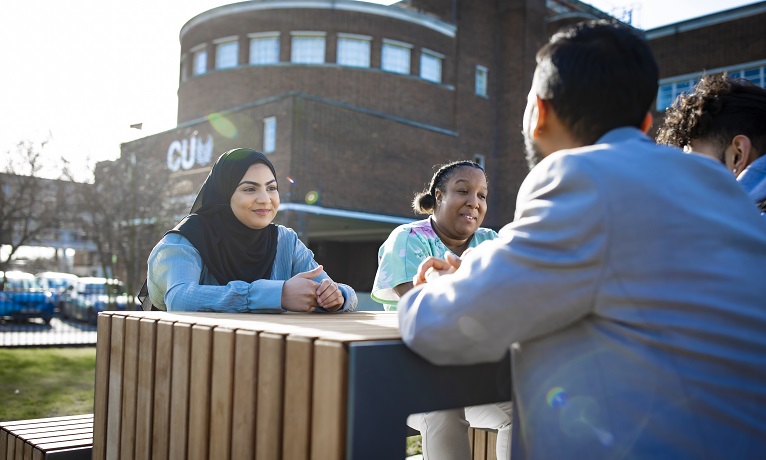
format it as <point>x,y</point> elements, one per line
<point>725,119</point>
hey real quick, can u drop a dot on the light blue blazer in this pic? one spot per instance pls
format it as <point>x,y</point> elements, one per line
<point>631,289</point>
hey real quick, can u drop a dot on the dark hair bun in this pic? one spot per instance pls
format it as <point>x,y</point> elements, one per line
<point>424,203</point>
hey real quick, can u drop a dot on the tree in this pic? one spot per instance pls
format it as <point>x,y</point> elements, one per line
<point>128,215</point>
<point>31,207</point>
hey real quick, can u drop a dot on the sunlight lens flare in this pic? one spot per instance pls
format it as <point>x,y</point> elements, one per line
<point>222,125</point>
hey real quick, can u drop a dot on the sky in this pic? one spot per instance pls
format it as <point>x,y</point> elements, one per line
<point>78,73</point>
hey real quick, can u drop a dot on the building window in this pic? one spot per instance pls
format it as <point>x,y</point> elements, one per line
<point>481,80</point>
<point>308,48</point>
<point>671,88</point>
<point>269,134</point>
<point>200,61</point>
<point>226,53</point>
<point>479,159</point>
<point>354,50</point>
<point>431,66</point>
<point>184,67</point>
<point>264,48</point>
<point>396,57</point>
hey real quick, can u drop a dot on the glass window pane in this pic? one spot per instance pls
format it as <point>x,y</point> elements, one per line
<point>481,81</point>
<point>264,50</point>
<point>353,52</point>
<point>308,50</point>
<point>396,58</point>
<point>269,134</point>
<point>664,97</point>
<point>754,75</point>
<point>226,55</point>
<point>430,68</point>
<point>200,62</point>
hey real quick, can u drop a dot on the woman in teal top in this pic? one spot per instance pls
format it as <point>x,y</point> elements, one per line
<point>456,202</point>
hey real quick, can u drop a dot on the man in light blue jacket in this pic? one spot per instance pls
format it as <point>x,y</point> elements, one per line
<point>629,287</point>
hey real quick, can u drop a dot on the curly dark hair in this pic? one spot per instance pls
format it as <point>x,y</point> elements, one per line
<point>718,109</point>
<point>425,201</point>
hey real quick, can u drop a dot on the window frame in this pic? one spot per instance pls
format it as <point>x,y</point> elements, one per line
<point>219,44</point>
<point>197,52</point>
<point>344,37</point>
<point>263,36</point>
<point>392,45</point>
<point>482,74</point>
<point>426,54</point>
<point>297,36</point>
<point>269,134</point>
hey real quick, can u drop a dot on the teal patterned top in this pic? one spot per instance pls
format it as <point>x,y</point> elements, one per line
<point>406,247</point>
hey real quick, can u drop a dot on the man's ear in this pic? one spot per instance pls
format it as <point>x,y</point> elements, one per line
<point>646,125</point>
<point>742,149</point>
<point>543,110</point>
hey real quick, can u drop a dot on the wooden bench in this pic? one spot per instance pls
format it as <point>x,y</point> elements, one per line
<point>56,438</point>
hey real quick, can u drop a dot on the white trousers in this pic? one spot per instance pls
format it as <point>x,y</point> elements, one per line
<point>445,432</point>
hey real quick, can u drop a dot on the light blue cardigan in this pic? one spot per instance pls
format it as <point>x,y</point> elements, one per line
<point>178,280</point>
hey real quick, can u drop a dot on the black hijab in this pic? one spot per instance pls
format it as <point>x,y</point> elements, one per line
<point>230,249</point>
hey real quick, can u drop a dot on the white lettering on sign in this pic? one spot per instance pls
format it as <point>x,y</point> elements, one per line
<point>185,153</point>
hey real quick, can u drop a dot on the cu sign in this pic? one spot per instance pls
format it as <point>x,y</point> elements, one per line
<point>184,153</point>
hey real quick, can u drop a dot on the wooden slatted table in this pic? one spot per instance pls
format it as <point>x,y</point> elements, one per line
<point>256,386</point>
<point>55,438</point>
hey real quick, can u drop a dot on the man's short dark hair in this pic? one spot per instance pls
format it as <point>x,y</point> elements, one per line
<point>597,76</point>
<point>716,111</point>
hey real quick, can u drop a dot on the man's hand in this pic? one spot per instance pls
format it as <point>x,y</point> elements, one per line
<point>299,293</point>
<point>433,267</point>
<point>329,296</point>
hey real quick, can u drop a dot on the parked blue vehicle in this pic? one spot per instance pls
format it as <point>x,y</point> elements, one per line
<point>91,295</point>
<point>20,298</point>
<point>56,283</point>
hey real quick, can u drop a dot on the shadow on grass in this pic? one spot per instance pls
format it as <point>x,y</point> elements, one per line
<point>46,382</point>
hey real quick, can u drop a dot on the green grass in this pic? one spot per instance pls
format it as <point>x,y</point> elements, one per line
<point>414,445</point>
<point>46,382</point>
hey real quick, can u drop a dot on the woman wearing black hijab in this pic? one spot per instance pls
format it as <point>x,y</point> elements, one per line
<point>228,256</point>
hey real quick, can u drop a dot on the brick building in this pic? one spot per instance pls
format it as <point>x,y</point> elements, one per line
<point>356,102</point>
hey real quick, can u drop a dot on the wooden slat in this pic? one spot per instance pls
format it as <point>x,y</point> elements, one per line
<point>299,358</point>
<point>162,375</point>
<point>52,421</point>
<point>28,451</point>
<point>129,385</point>
<point>328,418</point>
<point>10,447</point>
<point>29,433</point>
<point>145,388</point>
<point>245,391</point>
<point>3,442</point>
<point>199,392</point>
<point>179,397</point>
<point>268,434</point>
<point>19,450</point>
<point>221,388</point>
<point>114,404</point>
<point>491,445</point>
<point>101,397</point>
<point>479,444</point>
